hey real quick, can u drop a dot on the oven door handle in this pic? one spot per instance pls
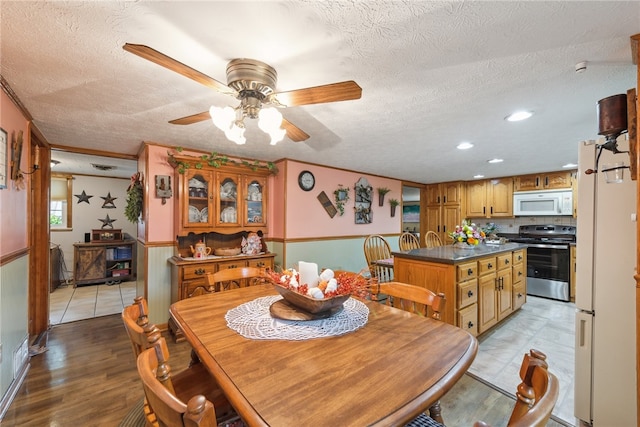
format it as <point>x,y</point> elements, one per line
<point>547,246</point>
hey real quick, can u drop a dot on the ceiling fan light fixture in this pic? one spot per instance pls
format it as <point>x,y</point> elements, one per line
<point>236,133</point>
<point>222,118</point>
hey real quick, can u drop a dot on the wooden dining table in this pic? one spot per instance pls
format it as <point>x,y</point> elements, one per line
<point>384,374</point>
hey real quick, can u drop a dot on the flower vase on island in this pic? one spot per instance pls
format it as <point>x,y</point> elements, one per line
<point>467,236</point>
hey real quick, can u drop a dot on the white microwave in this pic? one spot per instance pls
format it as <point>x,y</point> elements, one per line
<point>545,203</point>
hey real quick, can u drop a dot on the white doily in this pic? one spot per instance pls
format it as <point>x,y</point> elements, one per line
<point>253,320</point>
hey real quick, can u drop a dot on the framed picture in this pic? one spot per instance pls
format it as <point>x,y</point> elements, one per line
<point>410,213</point>
<point>16,155</point>
<point>4,162</point>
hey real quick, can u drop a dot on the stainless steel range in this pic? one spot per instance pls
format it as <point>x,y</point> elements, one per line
<point>548,259</point>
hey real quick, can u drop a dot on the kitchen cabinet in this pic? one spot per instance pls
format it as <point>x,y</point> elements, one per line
<point>188,277</point>
<point>103,262</point>
<point>479,289</point>
<point>492,198</point>
<point>443,209</point>
<point>227,199</point>
<point>544,181</point>
<point>495,289</point>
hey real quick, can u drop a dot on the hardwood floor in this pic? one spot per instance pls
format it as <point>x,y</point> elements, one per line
<point>88,377</point>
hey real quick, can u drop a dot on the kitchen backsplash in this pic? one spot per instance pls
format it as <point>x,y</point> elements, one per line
<point>511,225</point>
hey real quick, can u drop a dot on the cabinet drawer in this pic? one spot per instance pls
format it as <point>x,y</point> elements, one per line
<point>193,288</point>
<point>486,265</point>
<point>504,261</point>
<point>467,293</point>
<point>468,319</point>
<point>261,263</point>
<point>518,273</point>
<point>519,294</point>
<point>232,264</point>
<point>466,271</point>
<point>518,256</point>
<point>197,270</point>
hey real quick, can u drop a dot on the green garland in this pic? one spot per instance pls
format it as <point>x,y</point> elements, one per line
<point>135,198</point>
<point>216,160</point>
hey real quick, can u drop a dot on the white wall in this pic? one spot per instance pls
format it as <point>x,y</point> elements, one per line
<point>86,216</point>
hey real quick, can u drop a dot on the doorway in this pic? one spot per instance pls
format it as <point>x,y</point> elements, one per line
<point>411,209</point>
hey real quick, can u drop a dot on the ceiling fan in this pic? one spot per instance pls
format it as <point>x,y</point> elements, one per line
<point>252,82</point>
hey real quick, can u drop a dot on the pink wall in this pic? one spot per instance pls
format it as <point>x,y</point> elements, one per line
<point>306,218</point>
<point>159,218</point>
<point>13,203</point>
<point>277,201</point>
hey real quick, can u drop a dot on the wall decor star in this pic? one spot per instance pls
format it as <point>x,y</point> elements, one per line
<point>83,197</point>
<point>108,202</point>
<point>107,222</point>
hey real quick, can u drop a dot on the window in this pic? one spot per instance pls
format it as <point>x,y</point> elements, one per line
<point>60,205</point>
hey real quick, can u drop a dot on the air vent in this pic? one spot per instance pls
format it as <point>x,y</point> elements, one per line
<point>103,167</point>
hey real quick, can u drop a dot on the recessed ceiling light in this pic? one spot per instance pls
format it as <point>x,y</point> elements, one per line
<point>570,165</point>
<point>478,176</point>
<point>519,115</point>
<point>495,160</point>
<point>464,146</point>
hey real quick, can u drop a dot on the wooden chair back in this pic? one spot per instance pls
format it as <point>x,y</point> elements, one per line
<point>536,394</point>
<point>238,277</point>
<point>136,322</point>
<point>431,239</point>
<point>155,373</point>
<point>408,241</point>
<point>377,248</point>
<point>412,298</point>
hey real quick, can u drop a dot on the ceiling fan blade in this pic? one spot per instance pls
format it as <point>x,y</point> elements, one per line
<point>189,120</point>
<point>343,91</point>
<point>294,133</point>
<point>169,63</point>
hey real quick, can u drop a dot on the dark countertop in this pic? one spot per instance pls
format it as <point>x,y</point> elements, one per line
<point>449,255</point>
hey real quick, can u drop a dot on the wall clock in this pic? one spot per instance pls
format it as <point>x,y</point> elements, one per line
<point>306,180</point>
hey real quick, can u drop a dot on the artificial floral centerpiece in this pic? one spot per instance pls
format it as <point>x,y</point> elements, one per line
<point>467,233</point>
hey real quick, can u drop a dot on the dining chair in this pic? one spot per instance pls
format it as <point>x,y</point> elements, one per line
<point>167,393</point>
<point>536,396</point>
<point>237,277</point>
<point>376,248</point>
<point>143,335</point>
<point>408,241</point>
<point>417,300</point>
<point>431,239</point>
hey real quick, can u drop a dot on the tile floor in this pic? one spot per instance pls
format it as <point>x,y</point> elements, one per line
<point>545,325</point>
<point>68,304</point>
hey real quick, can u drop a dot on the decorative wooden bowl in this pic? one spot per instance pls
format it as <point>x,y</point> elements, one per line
<point>226,251</point>
<point>308,304</point>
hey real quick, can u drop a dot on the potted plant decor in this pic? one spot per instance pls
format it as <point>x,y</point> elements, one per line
<point>393,203</point>
<point>381,192</point>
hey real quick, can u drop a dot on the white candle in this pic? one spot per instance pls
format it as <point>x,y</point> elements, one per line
<point>308,273</point>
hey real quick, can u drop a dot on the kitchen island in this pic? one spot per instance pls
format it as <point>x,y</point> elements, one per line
<point>482,286</point>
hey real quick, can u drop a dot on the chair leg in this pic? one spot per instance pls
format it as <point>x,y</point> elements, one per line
<point>435,412</point>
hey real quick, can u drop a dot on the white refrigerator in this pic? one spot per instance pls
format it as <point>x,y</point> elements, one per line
<point>605,351</point>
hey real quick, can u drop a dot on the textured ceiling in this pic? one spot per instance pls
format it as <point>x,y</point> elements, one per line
<point>433,74</point>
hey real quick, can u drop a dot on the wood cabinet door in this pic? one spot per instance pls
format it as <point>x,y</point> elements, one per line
<point>91,264</point>
<point>500,196</point>
<point>196,197</point>
<point>505,293</point>
<point>556,180</point>
<point>228,194</point>
<point>255,199</point>
<point>451,216</point>
<point>476,199</point>
<point>451,193</point>
<point>433,194</point>
<point>488,310</point>
<point>432,219</point>
<point>527,183</point>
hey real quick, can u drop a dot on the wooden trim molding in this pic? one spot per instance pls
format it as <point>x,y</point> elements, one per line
<point>635,39</point>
